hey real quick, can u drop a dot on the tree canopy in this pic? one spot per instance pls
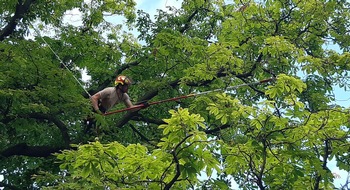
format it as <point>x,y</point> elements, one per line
<point>276,135</point>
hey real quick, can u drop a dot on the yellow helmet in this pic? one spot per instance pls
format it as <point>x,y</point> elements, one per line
<point>121,79</point>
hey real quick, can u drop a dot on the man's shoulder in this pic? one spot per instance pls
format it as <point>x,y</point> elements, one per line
<point>126,96</point>
<point>108,90</point>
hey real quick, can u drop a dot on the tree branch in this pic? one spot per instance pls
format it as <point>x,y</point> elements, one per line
<point>33,151</point>
<point>327,151</point>
<point>143,136</point>
<point>188,21</point>
<point>176,160</point>
<point>211,131</point>
<point>60,125</point>
<point>39,151</point>
<point>21,10</point>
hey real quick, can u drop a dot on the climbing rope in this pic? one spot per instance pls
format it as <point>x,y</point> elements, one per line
<point>140,106</point>
<point>60,60</point>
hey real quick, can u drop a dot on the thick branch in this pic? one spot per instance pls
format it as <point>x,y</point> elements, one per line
<point>176,160</point>
<point>60,125</point>
<point>39,151</point>
<point>143,136</point>
<point>212,131</point>
<point>327,152</point>
<point>21,10</point>
<point>33,151</point>
<point>40,117</point>
<point>187,24</point>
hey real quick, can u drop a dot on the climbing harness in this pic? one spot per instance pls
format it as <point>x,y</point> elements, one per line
<point>61,62</point>
<point>140,106</point>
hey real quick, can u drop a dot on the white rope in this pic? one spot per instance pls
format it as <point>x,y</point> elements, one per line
<point>58,57</point>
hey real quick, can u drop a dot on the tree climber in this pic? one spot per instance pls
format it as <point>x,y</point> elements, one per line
<point>105,99</point>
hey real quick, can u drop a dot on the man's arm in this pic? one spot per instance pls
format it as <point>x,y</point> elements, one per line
<point>94,100</point>
<point>128,103</point>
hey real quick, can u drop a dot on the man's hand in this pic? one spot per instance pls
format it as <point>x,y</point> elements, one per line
<point>99,112</point>
<point>145,105</point>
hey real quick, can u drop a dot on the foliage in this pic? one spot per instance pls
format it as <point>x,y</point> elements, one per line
<point>185,150</point>
<point>280,134</point>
